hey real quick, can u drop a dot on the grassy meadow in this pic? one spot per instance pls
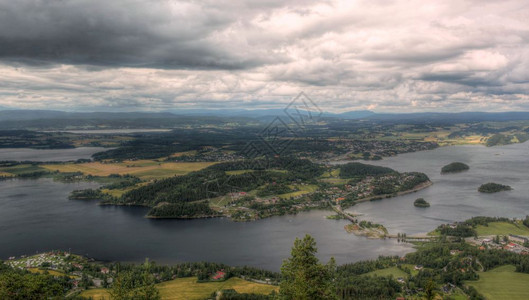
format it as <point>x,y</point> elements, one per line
<point>502,283</point>
<point>502,228</point>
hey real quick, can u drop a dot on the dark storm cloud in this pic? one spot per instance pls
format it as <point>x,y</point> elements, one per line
<point>159,34</point>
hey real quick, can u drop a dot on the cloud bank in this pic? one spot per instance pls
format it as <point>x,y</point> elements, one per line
<point>160,55</point>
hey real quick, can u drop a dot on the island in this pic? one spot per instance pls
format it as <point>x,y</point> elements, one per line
<point>492,187</point>
<point>420,202</point>
<point>454,167</point>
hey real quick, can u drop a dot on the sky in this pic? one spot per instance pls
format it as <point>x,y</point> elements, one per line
<point>380,55</point>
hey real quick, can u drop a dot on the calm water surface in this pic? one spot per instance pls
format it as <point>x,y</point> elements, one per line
<point>113,131</point>
<point>454,197</point>
<point>23,154</point>
<point>35,215</point>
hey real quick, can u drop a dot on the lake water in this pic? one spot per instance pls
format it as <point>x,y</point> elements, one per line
<point>113,131</point>
<point>35,215</point>
<point>23,154</point>
<point>455,197</point>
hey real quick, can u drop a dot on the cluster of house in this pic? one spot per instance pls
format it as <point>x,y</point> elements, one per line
<point>50,259</point>
<point>219,275</point>
<point>364,188</point>
<point>514,244</point>
<point>387,148</point>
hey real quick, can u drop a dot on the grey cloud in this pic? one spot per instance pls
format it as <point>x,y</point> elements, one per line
<point>163,54</point>
<point>128,33</point>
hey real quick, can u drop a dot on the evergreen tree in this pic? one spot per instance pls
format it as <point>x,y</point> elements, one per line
<point>429,289</point>
<point>304,277</point>
<point>148,290</point>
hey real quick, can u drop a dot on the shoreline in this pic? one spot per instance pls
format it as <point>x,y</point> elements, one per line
<point>417,188</point>
<point>378,231</point>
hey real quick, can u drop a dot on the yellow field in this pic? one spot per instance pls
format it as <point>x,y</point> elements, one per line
<point>189,289</point>
<point>144,169</point>
<point>51,272</point>
<point>5,174</point>
<point>96,294</point>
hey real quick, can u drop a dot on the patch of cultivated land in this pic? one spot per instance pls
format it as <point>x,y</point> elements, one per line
<point>20,170</point>
<point>144,169</point>
<point>190,289</point>
<point>41,271</point>
<point>502,283</point>
<point>502,228</point>
<point>5,174</point>
<point>303,190</point>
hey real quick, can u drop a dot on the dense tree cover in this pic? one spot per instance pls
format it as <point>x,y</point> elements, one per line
<point>303,276</point>
<point>484,220</point>
<point>122,181</point>
<point>23,285</point>
<point>198,185</point>
<point>129,286</point>
<point>355,169</point>
<point>177,192</point>
<point>182,210</point>
<point>459,230</point>
<point>231,294</point>
<point>33,139</point>
<point>366,266</point>
<point>366,287</point>
<point>298,168</point>
<point>416,179</point>
<point>420,202</point>
<point>492,187</point>
<point>455,167</point>
<point>156,145</point>
<point>273,189</point>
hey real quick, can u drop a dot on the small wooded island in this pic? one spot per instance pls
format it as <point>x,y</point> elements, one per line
<point>454,167</point>
<point>492,187</point>
<point>420,202</point>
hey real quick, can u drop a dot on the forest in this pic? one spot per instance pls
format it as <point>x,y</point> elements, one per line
<point>187,196</point>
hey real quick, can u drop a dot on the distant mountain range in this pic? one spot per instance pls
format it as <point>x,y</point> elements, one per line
<point>25,115</point>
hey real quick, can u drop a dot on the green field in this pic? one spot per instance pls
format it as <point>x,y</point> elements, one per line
<point>502,228</point>
<point>502,283</point>
<point>238,172</point>
<point>303,189</point>
<point>393,271</point>
<point>189,289</point>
